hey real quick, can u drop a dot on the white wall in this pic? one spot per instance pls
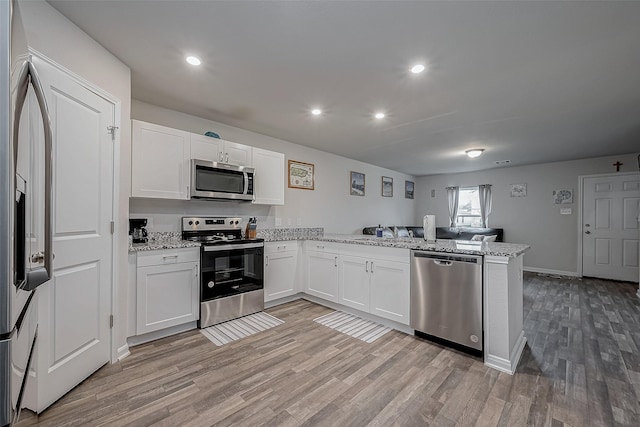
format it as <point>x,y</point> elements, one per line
<point>534,219</point>
<point>53,35</point>
<point>329,205</point>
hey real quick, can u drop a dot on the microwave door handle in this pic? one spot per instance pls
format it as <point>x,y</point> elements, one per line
<point>28,75</point>
<point>246,182</point>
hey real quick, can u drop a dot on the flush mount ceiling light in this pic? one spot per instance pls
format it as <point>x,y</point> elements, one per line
<point>316,111</point>
<point>417,69</point>
<point>379,116</point>
<point>474,152</point>
<point>193,60</point>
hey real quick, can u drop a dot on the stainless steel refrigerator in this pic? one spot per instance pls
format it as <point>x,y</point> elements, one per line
<point>26,257</point>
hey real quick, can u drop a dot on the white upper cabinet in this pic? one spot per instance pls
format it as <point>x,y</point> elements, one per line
<point>159,162</point>
<point>218,150</point>
<point>206,148</point>
<point>268,177</point>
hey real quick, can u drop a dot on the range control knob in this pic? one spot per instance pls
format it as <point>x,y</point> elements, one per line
<point>190,222</point>
<point>237,222</point>
<point>210,284</point>
<point>197,222</point>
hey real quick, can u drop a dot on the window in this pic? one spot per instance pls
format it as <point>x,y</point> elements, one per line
<point>469,208</point>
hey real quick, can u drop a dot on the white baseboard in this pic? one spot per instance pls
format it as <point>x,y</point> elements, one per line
<point>504,365</point>
<point>123,352</point>
<point>152,336</point>
<point>283,300</point>
<point>554,272</point>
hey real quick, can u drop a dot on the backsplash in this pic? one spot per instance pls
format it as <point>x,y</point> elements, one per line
<point>274,234</point>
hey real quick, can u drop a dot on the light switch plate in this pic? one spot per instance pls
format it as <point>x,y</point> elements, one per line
<point>278,222</point>
<point>565,211</point>
<point>433,193</point>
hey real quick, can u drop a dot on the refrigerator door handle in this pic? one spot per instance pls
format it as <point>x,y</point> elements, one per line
<point>28,75</point>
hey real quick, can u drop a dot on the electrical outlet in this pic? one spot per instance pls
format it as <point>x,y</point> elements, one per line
<point>289,221</point>
<point>278,222</point>
<point>299,221</point>
<point>433,193</point>
<point>150,223</point>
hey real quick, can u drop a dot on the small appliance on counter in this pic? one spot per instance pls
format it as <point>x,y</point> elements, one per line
<point>138,230</point>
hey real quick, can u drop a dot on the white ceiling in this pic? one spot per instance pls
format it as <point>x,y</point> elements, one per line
<point>531,82</point>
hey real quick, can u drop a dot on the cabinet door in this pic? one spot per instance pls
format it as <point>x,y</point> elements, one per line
<point>322,280</point>
<point>159,162</point>
<point>237,154</point>
<point>167,295</point>
<point>353,279</point>
<point>280,275</point>
<point>268,177</point>
<point>206,148</point>
<point>390,290</point>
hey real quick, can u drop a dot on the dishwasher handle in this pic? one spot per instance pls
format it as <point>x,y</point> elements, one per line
<point>443,263</point>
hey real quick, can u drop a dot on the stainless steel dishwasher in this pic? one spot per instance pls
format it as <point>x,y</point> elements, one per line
<point>446,297</point>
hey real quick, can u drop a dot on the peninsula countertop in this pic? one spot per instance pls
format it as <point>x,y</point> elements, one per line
<point>510,250</point>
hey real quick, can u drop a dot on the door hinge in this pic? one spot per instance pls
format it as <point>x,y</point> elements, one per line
<point>113,227</point>
<point>112,131</point>
<point>111,321</point>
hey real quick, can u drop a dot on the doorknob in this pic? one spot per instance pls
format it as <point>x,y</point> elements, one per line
<point>587,232</point>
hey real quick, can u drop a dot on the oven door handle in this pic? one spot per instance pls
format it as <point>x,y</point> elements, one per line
<point>28,75</point>
<point>215,248</point>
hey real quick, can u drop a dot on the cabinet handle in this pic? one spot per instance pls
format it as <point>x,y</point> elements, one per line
<point>267,260</point>
<point>372,266</point>
<point>221,156</point>
<point>226,159</point>
<point>170,257</point>
<point>366,268</point>
<point>335,261</point>
<point>319,247</point>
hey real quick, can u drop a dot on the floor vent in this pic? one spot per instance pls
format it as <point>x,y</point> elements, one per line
<point>353,326</point>
<point>224,333</point>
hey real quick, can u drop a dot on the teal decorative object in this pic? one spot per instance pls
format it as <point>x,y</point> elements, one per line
<point>212,134</point>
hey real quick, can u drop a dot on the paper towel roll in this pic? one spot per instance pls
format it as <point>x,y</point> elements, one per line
<point>429,226</point>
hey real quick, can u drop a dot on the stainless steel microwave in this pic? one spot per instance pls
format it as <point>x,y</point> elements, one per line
<point>215,180</point>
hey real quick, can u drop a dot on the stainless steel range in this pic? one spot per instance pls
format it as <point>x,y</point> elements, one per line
<point>231,269</point>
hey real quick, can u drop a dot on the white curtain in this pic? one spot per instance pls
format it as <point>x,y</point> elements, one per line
<point>485,202</point>
<point>452,196</point>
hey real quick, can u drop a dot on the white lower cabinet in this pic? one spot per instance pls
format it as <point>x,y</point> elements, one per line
<point>167,291</point>
<point>280,270</point>
<point>353,280</point>
<point>322,275</point>
<point>390,290</point>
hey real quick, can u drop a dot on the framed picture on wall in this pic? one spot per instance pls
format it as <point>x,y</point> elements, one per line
<point>301,175</point>
<point>408,189</point>
<point>356,183</point>
<point>563,196</point>
<point>518,190</point>
<point>387,186</point>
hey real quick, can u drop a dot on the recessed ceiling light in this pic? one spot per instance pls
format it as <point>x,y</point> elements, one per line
<point>193,60</point>
<point>316,111</point>
<point>417,69</point>
<point>379,116</point>
<point>474,152</point>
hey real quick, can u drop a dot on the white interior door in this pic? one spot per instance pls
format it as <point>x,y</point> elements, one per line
<point>74,307</point>
<point>610,211</point>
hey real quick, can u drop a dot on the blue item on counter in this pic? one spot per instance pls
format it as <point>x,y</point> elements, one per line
<point>212,134</point>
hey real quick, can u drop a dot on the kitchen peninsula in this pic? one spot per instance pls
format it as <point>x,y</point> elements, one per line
<point>504,338</point>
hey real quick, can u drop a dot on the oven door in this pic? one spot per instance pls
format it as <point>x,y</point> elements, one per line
<point>228,270</point>
<point>213,180</point>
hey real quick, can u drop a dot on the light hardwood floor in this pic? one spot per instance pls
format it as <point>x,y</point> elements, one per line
<point>581,367</point>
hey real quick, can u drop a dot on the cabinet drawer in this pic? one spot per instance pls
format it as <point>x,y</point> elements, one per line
<point>285,246</point>
<point>168,256</point>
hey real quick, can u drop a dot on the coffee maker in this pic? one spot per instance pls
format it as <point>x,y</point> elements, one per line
<point>137,230</point>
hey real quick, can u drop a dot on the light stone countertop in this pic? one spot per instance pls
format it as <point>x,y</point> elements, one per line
<point>510,250</point>
<point>158,241</point>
